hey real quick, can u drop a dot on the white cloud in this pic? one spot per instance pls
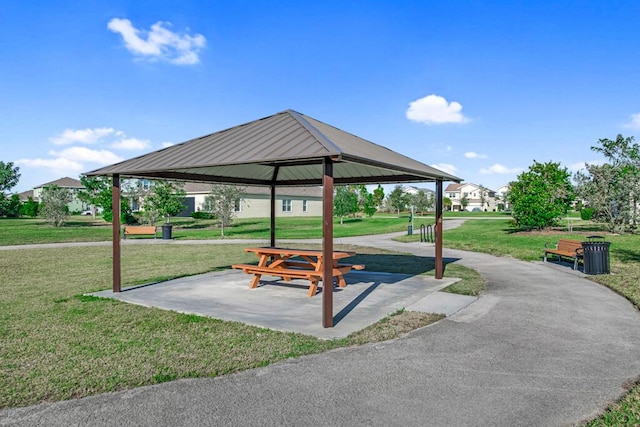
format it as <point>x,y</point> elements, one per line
<point>634,123</point>
<point>167,144</point>
<point>131,144</point>
<point>83,154</point>
<point>160,43</point>
<point>497,168</point>
<point>59,166</point>
<point>472,155</point>
<point>446,167</point>
<point>434,109</point>
<point>575,167</point>
<point>84,136</point>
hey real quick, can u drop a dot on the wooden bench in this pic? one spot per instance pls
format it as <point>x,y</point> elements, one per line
<point>565,248</point>
<point>131,230</point>
<point>285,273</point>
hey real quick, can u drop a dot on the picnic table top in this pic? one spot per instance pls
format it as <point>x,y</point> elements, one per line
<point>293,252</point>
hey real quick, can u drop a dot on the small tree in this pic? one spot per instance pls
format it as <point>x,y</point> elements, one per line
<point>54,204</point>
<point>9,176</point>
<point>447,203</point>
<point>541,196</point>
<point>221,201</point>
<point>464,202</point>
<point>98,192</point>
<point>345,201</point>
<point>423,201</point>
<point>378,196</point>
<point>483,197</point>
<point>370,207</point>
<point>167,199</point>
<point>397,199</point>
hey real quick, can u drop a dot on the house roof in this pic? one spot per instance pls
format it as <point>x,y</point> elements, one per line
<point>202,187</point>
<point>287,148</point>
<point>65,182</point>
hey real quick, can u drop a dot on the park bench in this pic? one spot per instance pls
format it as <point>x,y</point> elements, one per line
<point>565,248</point>
<point>134,230</point>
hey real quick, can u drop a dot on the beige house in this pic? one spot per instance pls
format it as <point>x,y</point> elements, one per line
<point>477,198</point>
<point>255,201</point>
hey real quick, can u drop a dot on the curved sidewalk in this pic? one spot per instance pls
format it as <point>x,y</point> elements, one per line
<point>540,347</point>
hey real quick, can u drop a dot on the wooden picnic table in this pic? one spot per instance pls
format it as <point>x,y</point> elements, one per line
<point>278,262</point>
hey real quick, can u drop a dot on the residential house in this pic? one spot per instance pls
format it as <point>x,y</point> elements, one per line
<point>501,197</point>
<point>475,197</point>
<point>255,201</point>
<point>71,184</point>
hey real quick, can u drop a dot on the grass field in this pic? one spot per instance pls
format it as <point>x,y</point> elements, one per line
<point>84,229</point>
<point>56,343</point>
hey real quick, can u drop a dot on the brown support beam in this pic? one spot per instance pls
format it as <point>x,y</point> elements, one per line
<point>439,262</point>
<point>327,244</point>
<point>273,215</point>
<point>274,179</point>
<point>115,204</point>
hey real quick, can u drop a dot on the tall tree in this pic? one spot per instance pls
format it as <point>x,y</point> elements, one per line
<point>221,201</point>
<point>423,201</point>
<point>345,201</point>
<point>613,189</point>
<point>541,196</point>
<point>378,196</point>
<point>98,192</point>
<point>483,196</point>
<point>54,204</point>
<point>166,198</point>
<point>9,176</point>
<point>397,199</point>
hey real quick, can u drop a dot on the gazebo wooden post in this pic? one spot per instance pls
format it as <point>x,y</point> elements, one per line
<point>439,262</point>
<point>115,204</point>
<point>273,216</point>
<point>274,179</point>
<point>327,244</point>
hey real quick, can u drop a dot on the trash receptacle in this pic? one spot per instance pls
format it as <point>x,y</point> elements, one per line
<point>596,255</point>
<point>166,231</point>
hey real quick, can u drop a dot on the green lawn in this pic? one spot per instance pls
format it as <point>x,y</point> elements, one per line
<point>84,229</point>
<point>56,343</point>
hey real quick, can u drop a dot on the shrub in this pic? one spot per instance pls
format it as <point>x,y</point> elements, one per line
<point>587,213</point>
<point>202,215</point>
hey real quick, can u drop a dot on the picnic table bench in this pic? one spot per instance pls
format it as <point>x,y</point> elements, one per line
<point>565,248</point>
<point>130,230</point>
<point>308,265</point>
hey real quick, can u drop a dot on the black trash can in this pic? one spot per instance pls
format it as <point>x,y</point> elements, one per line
<point>596,255</point>
<point>166,231</point>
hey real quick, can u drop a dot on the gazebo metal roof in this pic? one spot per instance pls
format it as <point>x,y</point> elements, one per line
<point>293,144</point>
<point>287,148</point>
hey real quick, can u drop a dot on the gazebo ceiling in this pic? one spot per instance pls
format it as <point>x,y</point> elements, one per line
<point>287,148</point>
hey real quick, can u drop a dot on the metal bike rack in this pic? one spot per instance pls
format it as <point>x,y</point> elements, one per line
<point>426,233</point>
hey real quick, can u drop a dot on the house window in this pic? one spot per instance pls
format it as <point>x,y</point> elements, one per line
<point>305,206</point>
<point>286,205</point>
<point>466,194</point>
<point>452,195</point>
<point>237,206</point>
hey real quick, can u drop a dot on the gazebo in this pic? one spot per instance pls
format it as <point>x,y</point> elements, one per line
<point>285,149</point>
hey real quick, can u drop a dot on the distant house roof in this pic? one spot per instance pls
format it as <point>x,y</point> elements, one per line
<point>454,187</point>
<point>65,182</point>
<point>203,188</point>
<point>24,196</point>
<point>287,148</point>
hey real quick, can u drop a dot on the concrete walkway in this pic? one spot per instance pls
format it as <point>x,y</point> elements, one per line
<point>541,346</point>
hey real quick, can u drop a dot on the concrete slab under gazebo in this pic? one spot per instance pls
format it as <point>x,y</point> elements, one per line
<point>285,149</point>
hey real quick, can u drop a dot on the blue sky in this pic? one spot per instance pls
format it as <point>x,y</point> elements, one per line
<point>479,89</point>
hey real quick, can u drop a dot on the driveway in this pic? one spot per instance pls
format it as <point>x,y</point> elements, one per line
<point>541,346</point>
